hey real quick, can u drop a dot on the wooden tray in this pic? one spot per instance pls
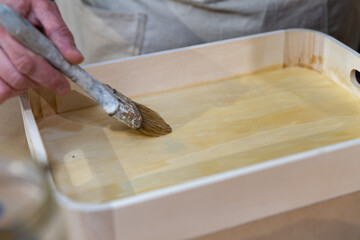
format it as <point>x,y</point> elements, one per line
<point>262,125</point>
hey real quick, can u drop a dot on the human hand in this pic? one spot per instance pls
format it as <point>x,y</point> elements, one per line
<point>21,69</point>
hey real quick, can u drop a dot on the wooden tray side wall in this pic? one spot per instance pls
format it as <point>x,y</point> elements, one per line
<point>304,49</point>
<point>193,65</point>
<point>339,65</point>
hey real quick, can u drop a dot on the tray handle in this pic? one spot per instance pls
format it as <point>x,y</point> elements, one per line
<point>355,77</point>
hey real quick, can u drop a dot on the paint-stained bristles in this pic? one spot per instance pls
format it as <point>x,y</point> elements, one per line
<point>152,124</point>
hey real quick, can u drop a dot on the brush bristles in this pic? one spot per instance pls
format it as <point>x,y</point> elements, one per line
<point>152,124</point>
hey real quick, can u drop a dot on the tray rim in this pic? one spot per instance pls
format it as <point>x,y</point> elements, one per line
<point>225,41</point>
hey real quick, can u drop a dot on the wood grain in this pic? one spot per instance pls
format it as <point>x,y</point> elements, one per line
<point>218,127</point>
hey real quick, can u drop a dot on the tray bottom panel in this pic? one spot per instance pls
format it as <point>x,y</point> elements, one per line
<point>217,126</point>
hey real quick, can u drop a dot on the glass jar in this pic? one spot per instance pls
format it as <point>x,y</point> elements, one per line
<point>27,207</point>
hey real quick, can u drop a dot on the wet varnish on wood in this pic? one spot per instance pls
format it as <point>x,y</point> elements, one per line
<point>217,127</point>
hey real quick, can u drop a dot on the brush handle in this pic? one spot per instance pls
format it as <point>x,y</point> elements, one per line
<point>118,106</point>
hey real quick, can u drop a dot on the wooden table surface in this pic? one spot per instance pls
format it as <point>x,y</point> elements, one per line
<point>338,218</point>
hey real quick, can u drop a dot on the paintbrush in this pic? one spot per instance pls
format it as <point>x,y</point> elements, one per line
<point>115,104</point>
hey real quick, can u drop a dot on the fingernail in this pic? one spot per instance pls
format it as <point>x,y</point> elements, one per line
<point>78,51</point>
<point>63,90</point>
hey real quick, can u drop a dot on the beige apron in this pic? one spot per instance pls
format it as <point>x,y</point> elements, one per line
<point>111,29</point>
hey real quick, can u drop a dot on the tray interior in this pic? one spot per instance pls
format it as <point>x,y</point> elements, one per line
<point>217,126</point>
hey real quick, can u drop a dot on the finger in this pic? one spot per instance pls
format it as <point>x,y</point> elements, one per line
<point>33,20</point>
<point>55,29</point>
<point>12,77</point>
<point>21,6</point>
<point>7,92</point>
<point>32,65</point>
